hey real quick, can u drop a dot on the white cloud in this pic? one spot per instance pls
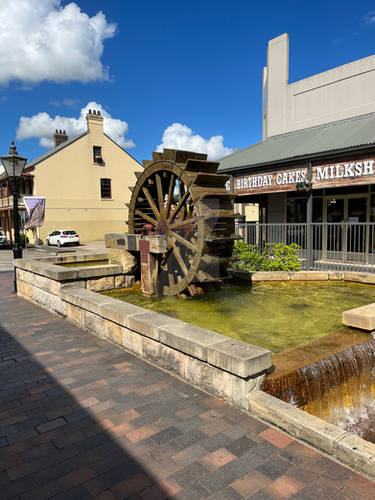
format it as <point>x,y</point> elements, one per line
<point>370,17</point>
<point>41,40</point>
<point>42,126</point>
<point>179,136</point>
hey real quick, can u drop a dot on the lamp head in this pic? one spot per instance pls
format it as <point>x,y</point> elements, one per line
<point>13,163</point>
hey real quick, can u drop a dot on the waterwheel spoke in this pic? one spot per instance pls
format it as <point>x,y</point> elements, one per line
<point>159,189</point>
<point>180,260</point>
<point>170,193</point>
<point>147,217</point>
<point>151,203</point>
<point>182,223</point>
<point>182,240</point>
<point>179,206</point>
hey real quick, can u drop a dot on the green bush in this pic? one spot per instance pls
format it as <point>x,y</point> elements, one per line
<point>274,257</point>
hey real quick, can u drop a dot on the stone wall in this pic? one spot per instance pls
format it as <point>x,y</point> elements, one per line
<point>229,369</point>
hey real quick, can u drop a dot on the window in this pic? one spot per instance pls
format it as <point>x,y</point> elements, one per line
<point>105,188</point>
<point>97,152</point>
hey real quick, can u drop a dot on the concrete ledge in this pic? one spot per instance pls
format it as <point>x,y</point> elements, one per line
<point>360,317</point>
<point>270,276</point>
<point>349,449</point>
<point>359,277</point>
<point>309,276</point>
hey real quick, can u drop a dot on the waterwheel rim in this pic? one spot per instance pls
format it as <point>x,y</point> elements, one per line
<point>154,205</point>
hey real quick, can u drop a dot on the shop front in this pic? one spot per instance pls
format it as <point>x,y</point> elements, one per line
<point>326,207</point>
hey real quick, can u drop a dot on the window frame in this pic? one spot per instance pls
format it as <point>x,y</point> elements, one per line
<point>97,158</point>
<point>103,196</point>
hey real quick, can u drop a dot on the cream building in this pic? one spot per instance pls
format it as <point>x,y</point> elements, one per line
<point>85,182</point>
<point>342,92</point>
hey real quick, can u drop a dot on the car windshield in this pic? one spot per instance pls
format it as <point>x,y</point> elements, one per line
<point>69,232</point>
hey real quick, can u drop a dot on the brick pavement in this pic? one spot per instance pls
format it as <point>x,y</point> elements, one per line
<point>80,418</point>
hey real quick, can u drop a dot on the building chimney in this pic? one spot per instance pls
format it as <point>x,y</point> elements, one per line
<point>94,121</point>
<point>59,137</point>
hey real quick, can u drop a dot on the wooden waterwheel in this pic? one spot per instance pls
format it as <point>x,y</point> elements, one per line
<point>180,195</point>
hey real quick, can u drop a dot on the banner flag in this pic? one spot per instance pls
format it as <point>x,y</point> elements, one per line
<point>35,206</point>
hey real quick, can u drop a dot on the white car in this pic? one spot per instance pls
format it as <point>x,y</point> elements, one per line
<point>63,237</point>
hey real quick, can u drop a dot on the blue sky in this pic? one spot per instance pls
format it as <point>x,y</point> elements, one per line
<point>153,64</point>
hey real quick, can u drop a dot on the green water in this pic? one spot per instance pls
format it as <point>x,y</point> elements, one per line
<point>277,316</point>
<point>88,263</point>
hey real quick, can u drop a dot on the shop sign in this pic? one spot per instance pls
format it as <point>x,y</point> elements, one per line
<point>329,175</point>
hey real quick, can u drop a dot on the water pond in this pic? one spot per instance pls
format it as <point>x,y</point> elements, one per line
<point>277,316</point>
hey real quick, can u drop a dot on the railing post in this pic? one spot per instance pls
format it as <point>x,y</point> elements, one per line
<point>309,210</point>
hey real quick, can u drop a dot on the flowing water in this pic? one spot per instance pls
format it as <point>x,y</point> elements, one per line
<point>277,316</point>
<point>340,390</point>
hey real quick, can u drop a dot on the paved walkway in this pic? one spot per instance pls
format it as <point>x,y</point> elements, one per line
<point>80,418</point>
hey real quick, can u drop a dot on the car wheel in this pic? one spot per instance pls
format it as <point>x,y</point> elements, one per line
<point>48,243</point>
<point>58,243</point>
<point>77,244</point>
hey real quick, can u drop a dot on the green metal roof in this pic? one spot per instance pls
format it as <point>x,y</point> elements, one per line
<point>330,137</point>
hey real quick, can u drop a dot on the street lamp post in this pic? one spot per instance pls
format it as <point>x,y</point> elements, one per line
<point>14,164</point>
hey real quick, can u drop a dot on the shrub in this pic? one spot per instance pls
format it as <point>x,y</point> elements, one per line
<point>23,240</point>
<point>274,257</point>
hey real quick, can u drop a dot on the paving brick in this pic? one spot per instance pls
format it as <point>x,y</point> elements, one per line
<point>108,422</point>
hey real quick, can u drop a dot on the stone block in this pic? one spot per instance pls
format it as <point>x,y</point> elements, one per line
<point>47,284</point>
<point>124,281</point>
<point>359,277</point>
<point>93,322</point>
<point>207,377</point>
<point>85,299</point>
<point>335,275</point>
<point>148,323</point>
<point>360,317</point>
<point>298,423</point>
<point>118,311</point>
<point>270,276</point>
<point>97,271</point>
<point>101,284</point>
<point>240,358</point>
<point>357,453</point>
<point>50,301</point>
<point>132,341</point>
<point>125,259</point>
<point>163,356</point>
<point>309,276</point>
<point>74,313</point>
<point>112,332</point>
<point>50,270</point>
<point>24,289</point>
<point>189,339</point>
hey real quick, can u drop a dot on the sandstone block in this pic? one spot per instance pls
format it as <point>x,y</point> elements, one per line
<point>85,299</point>
<point>24,289</point>
<point>163,356</point>
<point>360,317</point>
<point>357,453</point>
<point>309,276</point>
<point>124,281</point>
<point>189,339</point>
<point>148,323</point>
<point>359,277</point>
<point>335,275</point>
<point>270,276</point>
<point>101,284</point>
<point>48,300</point>
<point>132,341</point>
<point>125,259</point>
<point>239,358</point>
<point>119,311</point>
<point>93,322</point>
<point>74,313</point>
<point>298,423</point>
<point>97,271</point>
<point>112,332</point>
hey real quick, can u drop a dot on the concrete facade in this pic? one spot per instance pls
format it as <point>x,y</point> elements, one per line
<point>342,92</point>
